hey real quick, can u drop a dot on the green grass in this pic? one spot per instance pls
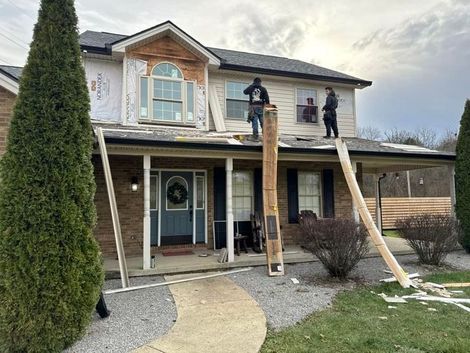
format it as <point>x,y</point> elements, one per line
<point>391,233</point>
<point>353,325</point>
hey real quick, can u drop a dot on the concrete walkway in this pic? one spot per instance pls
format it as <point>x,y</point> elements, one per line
<point>214,315</point>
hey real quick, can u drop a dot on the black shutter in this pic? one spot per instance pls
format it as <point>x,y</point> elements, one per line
<point>292,196</point>
<point>328,194</point>
<point>220,199</point>
<point>258,188</point>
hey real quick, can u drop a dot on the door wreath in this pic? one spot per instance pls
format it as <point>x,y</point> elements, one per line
<point>177,193</point>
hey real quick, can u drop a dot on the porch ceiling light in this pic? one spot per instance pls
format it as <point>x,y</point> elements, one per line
<point>134,184</point>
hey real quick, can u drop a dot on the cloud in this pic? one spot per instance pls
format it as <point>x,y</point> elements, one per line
<point>276,34</point>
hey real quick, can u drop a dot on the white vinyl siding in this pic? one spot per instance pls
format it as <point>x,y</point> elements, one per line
<point>282,93</point>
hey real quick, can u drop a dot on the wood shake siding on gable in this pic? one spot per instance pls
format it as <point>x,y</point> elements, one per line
<point>167,50</point>
<point>282,93</point>
<point>7,101</point>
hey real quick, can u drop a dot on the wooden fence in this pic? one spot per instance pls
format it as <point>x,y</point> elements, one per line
<point>394,208</point>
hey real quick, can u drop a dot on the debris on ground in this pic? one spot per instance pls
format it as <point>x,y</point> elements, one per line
<point>393,279</point>
<point>295,280</point>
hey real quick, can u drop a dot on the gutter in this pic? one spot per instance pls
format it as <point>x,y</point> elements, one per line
<point>302,150</point>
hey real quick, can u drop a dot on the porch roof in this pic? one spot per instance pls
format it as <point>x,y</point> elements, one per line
<point>191,138</point>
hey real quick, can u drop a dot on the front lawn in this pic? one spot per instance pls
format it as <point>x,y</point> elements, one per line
<point>360,321</point>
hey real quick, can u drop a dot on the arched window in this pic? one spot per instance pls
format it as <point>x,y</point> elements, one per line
<point>166,97</point>
<point>177,189</point>
<point>167,70</point>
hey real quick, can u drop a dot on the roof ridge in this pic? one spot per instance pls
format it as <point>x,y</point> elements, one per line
<point>14,66</point>
<point>251,53</point>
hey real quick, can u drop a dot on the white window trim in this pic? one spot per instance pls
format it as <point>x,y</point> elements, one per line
<point>296,88</point>
<point>166,198</point>
<point>252,188</point>
<point>320,188</point>
<point>149,119</point>
<point>226,97</point>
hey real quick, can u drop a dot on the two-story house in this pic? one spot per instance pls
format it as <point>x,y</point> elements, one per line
<point>169,108</point>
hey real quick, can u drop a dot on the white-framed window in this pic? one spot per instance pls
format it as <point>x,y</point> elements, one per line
<point>154,192</point>
<point>236,101</point>
<point>242,195</point>
<point>309,189</point>
<point>200,192</point>
<point>166,97</point>
<point>306,105</point>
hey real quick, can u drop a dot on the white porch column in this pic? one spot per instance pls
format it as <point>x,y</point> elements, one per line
<point>378,211</point>
<point>452,189</point>
<point>146,242</point>
<point>229,209</point>
<point>355,211</point>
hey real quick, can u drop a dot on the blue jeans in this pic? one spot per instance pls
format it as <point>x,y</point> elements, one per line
<point>257,116</point>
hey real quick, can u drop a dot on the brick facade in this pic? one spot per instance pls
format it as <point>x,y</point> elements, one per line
<point>7,101</point>
<point>130,204</point>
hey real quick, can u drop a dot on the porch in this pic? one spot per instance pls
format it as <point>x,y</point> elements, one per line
<point>206,260</point>
<point>221,185</point>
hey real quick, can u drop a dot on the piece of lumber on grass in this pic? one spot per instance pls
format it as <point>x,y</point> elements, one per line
<point>432,298</point>
<point>456,285</point>
<point>361,206</point>
<point>393,279</point>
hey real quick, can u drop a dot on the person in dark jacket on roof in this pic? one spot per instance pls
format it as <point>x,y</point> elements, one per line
<point>329,116</point>
<point>258,96</point>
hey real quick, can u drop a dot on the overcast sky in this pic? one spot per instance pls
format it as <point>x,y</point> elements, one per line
<point>417,53</point>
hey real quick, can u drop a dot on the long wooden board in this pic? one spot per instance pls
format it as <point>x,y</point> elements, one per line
<point>361,206</point>
<point>271,213</point>
<point>114,210</point>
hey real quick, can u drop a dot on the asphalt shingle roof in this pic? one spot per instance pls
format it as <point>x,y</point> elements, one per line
<point>14,72</point>
<point>236,60</point>
<point>167,136</point>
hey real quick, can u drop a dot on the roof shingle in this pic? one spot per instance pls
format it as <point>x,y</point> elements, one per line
<point>14,72</point>
<point>236,60</point>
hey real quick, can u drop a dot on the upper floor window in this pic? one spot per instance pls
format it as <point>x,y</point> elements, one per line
<point>306,105</point>
<point>236,102</point>
<point>166,96</point>
<point>167,70</point>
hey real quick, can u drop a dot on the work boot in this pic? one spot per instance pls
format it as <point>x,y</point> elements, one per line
<point>253,138</point>
<point>326,137</point>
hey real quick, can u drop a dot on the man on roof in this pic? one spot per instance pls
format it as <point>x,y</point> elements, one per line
<point>258,96</point>
<point>329,116</point>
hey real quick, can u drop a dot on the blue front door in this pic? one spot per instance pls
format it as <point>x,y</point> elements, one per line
<point>177,203</point>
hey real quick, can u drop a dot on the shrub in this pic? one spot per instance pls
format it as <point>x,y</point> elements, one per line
<point>338,243</point>
<point>50,267</point>
<point>431,236</point>
<point>462,177</point>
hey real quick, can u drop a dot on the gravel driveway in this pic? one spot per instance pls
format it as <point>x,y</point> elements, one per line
<point>286,303</point>
<point>136,318</point>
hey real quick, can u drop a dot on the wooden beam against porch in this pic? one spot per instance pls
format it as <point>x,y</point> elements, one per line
<point>358,200</point>
<point>270,207</point>
<point>114,210</point>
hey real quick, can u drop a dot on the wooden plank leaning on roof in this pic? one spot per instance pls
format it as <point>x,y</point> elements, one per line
<point>114,210</point>
<point>374,233</point>
<point>271,213</point>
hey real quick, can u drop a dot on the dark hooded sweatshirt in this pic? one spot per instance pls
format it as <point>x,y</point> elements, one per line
<point>258,94</point>
<point>330,105</point>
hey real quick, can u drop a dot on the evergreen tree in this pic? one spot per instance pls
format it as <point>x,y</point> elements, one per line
<point>50,267</point>
<point>462,177</point>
